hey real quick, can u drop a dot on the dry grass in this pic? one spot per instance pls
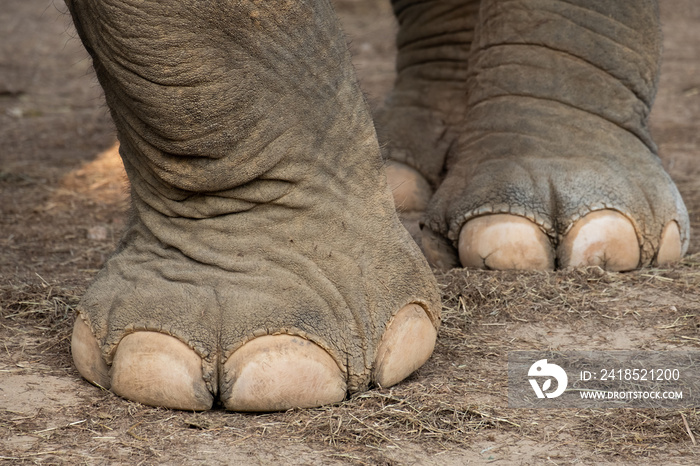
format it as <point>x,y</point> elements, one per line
<point>457,399</point>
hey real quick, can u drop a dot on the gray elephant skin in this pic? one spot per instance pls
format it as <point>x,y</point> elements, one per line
<point>264,266</point>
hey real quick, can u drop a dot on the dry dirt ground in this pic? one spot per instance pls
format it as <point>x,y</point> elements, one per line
<point>62,204</point>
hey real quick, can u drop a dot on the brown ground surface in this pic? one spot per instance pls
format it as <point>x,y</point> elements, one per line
<point>62,203</point>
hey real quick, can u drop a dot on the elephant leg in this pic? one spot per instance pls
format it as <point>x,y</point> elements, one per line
<point>420,120</point>
<point>555,165</point>
<point>264,267</point>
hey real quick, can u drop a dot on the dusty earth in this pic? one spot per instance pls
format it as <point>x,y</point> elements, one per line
<point>63,200</point>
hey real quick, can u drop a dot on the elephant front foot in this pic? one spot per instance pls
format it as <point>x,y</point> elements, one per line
<point>298,288</point>
<point>263,309</point>
<point>264,267</point>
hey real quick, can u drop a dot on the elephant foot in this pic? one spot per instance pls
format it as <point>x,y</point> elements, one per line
<point>543,207</point>
<point>264,267</point>
<point>554,165</point>
<point>264,309</point>
<point>269,373</point>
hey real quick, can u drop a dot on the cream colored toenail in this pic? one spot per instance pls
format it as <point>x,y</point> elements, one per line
<point>159,370</point>
<point>670,246</point>
<point>87,356</point>
<point>504,241</point>
<point>279,372</point>
<point>605,238</point>
<point>407,343</point>
<point>410,189</point>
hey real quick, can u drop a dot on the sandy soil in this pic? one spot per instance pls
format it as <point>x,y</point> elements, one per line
<point>62,204</point>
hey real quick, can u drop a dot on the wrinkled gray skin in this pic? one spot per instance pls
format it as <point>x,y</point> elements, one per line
<point>259,204</point>
<point>537,108</point>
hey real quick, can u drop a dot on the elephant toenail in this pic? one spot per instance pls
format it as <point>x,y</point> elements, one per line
<point>159,370</point>
<point>279,372</point>
<point>504,241</point>
<point>670,246</point>
<point>87,355</point>
<point>406,345</point>
<point>605,238</point>
<point>410,189</point>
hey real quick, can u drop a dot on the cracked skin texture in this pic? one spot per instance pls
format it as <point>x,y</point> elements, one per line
<point>261,218</point>
<point>263,227</point>
<point>552,152</point>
